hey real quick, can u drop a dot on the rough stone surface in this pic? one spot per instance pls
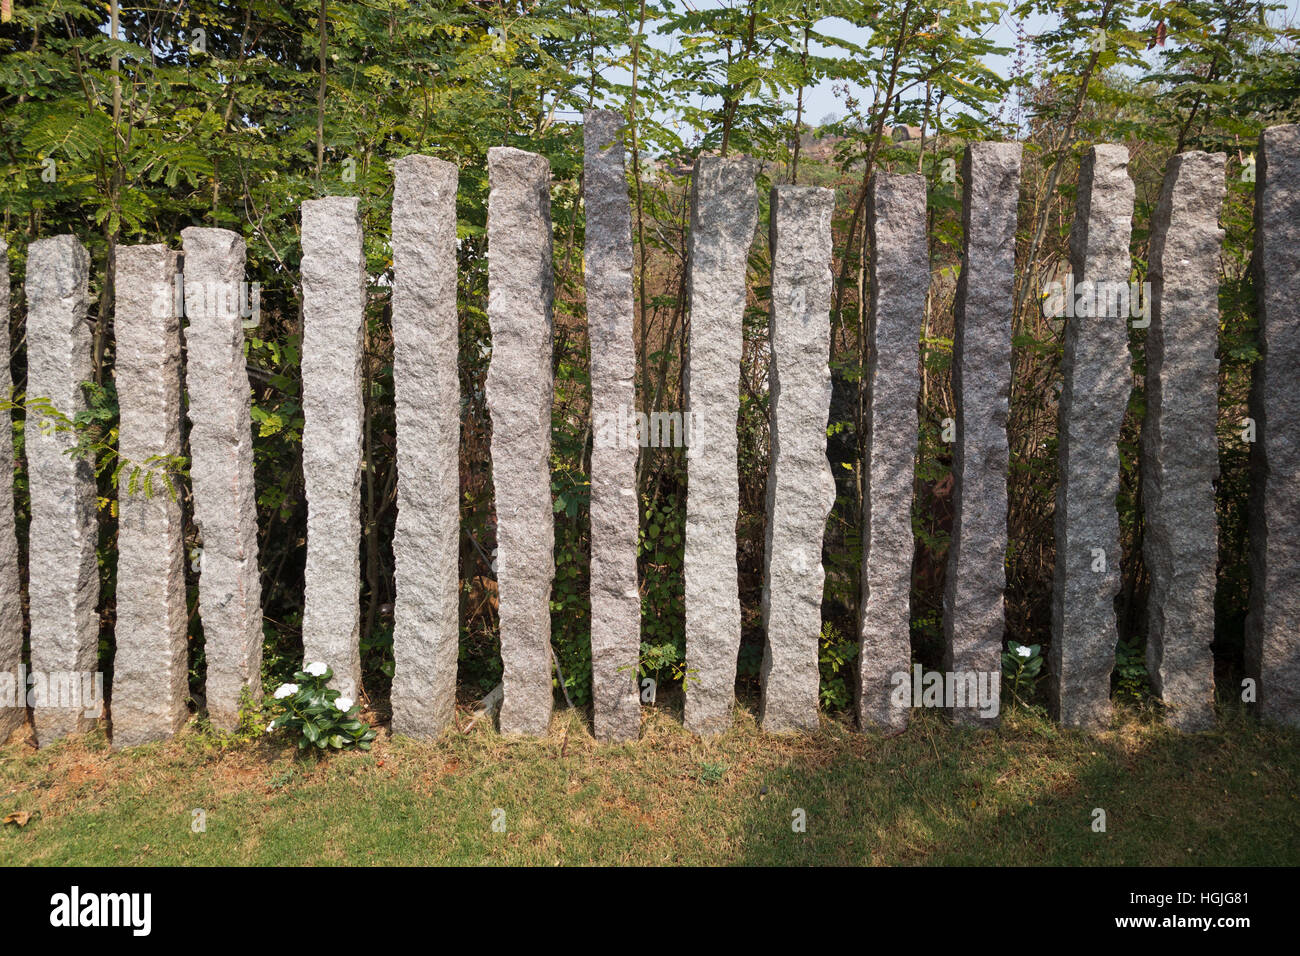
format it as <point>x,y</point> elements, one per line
<point>221,470</point>
<point>800,489</point>
<point>426,630</point>
<point>1179,447</point>
<point>11,597</point>
<point>615,600</point>
<point>1273,622</point>
<point>333,311</point>
<point>1094,396</point>
<point>63,576</point>
<point>973,615</point>
<point>519,394</point>
<point>724,213</point>
<point>150,667</point>
<point>900,279</point>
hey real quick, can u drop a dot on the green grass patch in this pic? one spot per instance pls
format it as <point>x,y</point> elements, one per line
<point>1022,794</point>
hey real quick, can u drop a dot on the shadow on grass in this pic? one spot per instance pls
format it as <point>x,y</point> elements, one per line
<point>1029,793</point>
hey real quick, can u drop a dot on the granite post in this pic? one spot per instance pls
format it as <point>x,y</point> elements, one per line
<point>1179,447</point>
<point>221,470</point>
<point>426,628</point>
<point>151,664</point>
<point>1094,396</point>
<point>973,613</point>
<point>63,575</point>
<point>519,395</point>
<point>724,213</point>
<point>900,281</point>
<point>615,599</point>
<point>800,488</point>
<point>333,311</point>
<point>1273,622</point>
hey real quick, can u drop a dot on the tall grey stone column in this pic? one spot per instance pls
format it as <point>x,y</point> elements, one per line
<point>426,552</point>
<point>973,615</point>
<point>519,394</point>
<point>1094,396</point>
<point>1179,448</point>
<point>615,600</point>
<point>63,575</point>
<point>151,666</point>
<point>11,597</point>
<point>221,470</point>
<point>900,280</point>
<point>800,487</point>
<point>724,213</point>
<point>334,313</point>
<point>1273,622</point>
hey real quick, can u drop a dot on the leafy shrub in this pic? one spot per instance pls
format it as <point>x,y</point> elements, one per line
<point>319,716</point>
<point>1132,682</point>
<point>834,654</point>
<point>1022,665</point>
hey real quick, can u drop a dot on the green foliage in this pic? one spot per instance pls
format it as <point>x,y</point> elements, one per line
<point>710,773</point>
<point>663,663</point>
<point>1022,666</point>
<point>316,716</point>
<point>663,610</point>
<point>833,658</point>
<point>248,725</point>
<point>93,439</point>
<point>1131,680</point>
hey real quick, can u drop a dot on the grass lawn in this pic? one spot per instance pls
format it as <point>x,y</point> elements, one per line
<point>1023,794</point>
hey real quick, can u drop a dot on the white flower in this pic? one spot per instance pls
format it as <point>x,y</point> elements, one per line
<point>343,703</point>
<point>285,690</point>
<point>316,668</point>
<point>270,727</point>
<point>1024,651</point>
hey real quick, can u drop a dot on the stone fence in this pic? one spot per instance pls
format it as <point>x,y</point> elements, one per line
<point>1178,450</point>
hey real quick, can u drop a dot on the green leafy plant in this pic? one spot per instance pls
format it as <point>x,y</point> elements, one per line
<point>834,654</point>
<point>319,716</point>
<point>1131,677</point>
<point>663,611</point>
<point>94,434</point>
<point>664,663</point>
<point>1022,665</point>
<point>711,772</point>
<point>248,725</point>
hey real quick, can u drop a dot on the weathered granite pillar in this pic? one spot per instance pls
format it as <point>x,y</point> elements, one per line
<point>151,665</point>
<point>615,600</point>
<point>333,312</point>
<point>1179,448</point>
<point>63,575</point>
<point>221,470</point>
<point>13,696</point>
<point>426,628</point>
<point>1273,622</point>
<point>900,280</point>
<point>973,615</point>
<point>519,394</point>
<point>800,488</point>
<point>724,212</point>
<point>1094,396</point>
